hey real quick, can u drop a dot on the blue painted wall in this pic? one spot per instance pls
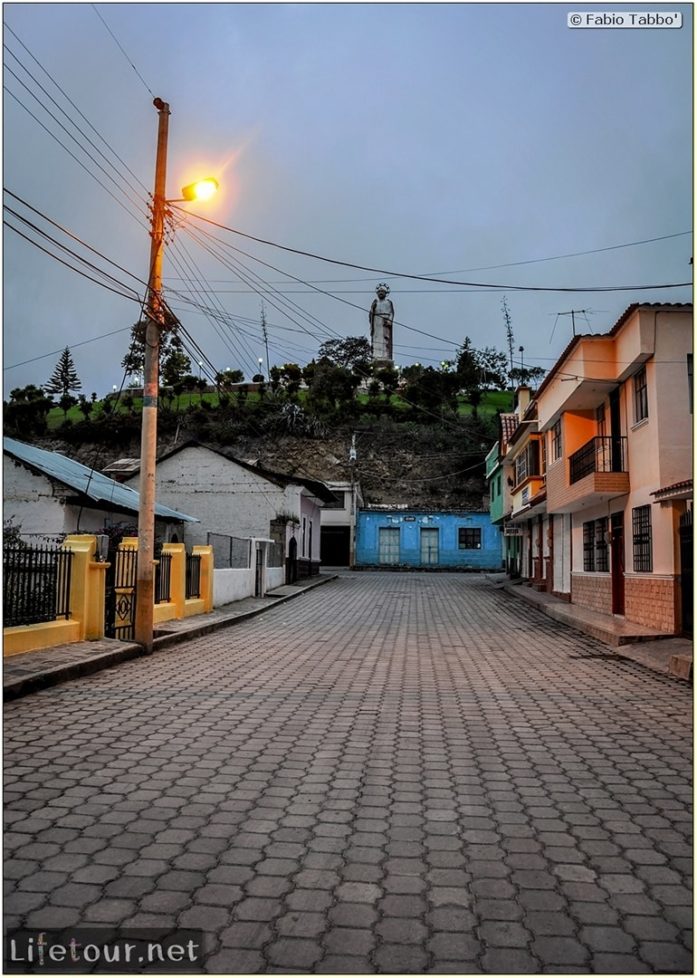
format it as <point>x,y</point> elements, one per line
<point>410,524</point>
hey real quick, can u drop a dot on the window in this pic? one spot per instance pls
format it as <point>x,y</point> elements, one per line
<point>595,549</point>
<point>641,400</point>
<point>600,420</point>
<point>469,538</point>
<point>528,462</point>
<point>556,440</point>
<point>641,538</point>
<point>339,501</point>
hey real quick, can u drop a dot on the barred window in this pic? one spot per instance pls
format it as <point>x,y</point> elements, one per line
<point>556,440</point>
<point>588,541</point>
<point>641,538</point>
<point>469,538</point>
<point>641,399</point>
<point>601,554</point>
<point>595,549</point>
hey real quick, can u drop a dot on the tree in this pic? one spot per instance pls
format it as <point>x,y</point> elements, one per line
<point>479,370</point>
<point>353,352</point>
<point>65,402</point>
<point>27,410</point>
<point>64,378</point>
<point>527,375</point>
<point>134,361</point>
<point>175,364</point>
<point>389,378</point>
<point>226,378</point>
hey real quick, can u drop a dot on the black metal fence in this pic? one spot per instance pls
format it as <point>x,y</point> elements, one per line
<point>600,454</point>
<point>193,576</point>
<point>36,584</point>
<point>163,578</point>
<point>229,551</point>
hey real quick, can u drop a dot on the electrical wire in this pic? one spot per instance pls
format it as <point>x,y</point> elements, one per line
<point>121,49</point>
<point>70,153</point>
<point>427,278</point>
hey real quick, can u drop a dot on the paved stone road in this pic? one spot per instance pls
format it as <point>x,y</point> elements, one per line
<point>394,773</point>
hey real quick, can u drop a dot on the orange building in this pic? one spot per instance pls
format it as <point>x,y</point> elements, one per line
<point>613,419</point>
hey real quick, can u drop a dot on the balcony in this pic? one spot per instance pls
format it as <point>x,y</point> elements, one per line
<point>600,454</point>
<point>595,473</point>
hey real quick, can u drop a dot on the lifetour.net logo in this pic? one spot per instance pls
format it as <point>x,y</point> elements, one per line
<point>627,19</point>
<point>102,950</point>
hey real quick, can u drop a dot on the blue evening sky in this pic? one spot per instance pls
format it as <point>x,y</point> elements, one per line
<point>420,138</point>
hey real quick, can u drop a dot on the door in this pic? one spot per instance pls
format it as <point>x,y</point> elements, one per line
<point>335,546</point>
<point>429,546</point>
<point>615,433</point>
<point>686,574</point>
<point>292,562</point>
<point>388,545</point>
<point>120,594</point>
<point>617,565</point>
<point>259,573</point>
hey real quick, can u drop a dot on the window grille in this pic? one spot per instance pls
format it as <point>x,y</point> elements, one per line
<point>556,440</point>
<point>588,548</point>
<point>601,548</point>
<point>641,538</point>
<point>641,400</point>
<point>469,538</point>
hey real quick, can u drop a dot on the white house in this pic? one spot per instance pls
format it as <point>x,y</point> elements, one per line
<point>49,495</point>
<point>339,524</point>
<point>234,499</point>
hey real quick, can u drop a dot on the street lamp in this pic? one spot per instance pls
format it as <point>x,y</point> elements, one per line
<point>145,576</point>
<point>261,362</point>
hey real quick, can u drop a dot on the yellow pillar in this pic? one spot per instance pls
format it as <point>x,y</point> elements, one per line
<point>83,548</point>
<point>206,554</point>
<point>177,579</point>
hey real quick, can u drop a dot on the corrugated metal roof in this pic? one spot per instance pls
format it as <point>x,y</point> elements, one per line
<point>87,481</point>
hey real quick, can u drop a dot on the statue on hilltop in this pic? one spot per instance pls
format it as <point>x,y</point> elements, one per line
<point>381,317</point>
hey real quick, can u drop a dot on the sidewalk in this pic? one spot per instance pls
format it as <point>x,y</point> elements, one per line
<point>671,656</point>
<point>31,671</point>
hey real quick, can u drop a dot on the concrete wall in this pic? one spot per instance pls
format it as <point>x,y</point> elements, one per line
<point>488,557</point>
<point>37,505</point>
<point>232,584</point>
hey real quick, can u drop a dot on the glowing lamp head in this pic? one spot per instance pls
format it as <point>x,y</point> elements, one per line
<point>201,190</point>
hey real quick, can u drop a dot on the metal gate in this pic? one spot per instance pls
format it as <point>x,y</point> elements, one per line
<point>686,572</point>
<point>429,546</point>
<point>120,600</point>
<point>259,574</point>
<point>388,545</point>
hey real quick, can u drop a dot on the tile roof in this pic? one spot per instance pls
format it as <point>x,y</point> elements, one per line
<point>97,487</point>
<point>509,423</point>
<point>684,487</point>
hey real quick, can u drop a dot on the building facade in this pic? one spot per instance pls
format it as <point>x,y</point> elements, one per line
<point>601,471</point>
<point>339,524</point>
<point>428,540</point>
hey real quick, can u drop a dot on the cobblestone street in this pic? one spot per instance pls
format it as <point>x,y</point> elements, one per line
<point>392,773</point>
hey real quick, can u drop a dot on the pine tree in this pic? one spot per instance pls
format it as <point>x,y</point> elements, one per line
<point>64,378</point>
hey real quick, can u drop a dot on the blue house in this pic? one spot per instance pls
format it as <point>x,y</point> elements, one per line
<point>457,540</point>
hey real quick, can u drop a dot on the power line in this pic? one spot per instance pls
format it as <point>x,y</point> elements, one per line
<point>77,109</point>
<point>54,353</point>
<point>428,278</point>
<point>118,44</point>
<point>70,153</point>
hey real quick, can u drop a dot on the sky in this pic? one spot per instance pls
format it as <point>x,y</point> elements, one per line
<point>472,142</point>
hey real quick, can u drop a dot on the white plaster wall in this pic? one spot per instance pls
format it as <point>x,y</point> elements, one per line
<point>232,584</point>
<point>275,577</point>
<point>225,497</point>
<point>38,506</point>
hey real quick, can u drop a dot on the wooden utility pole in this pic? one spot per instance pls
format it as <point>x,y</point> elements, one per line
<point>145,577</point>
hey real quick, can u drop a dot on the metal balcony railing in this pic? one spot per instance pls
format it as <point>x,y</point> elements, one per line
<point>600,454</point>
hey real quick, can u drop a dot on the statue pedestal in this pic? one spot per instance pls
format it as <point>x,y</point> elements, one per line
<point>382,363</point>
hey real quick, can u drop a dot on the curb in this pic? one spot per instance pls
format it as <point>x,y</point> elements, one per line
<point>58,674</point>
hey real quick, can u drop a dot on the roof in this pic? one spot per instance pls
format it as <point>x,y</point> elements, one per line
<point>88,482</point>
<point>679,490</point>
<point>509,423</point>
<point>627,314</point>
<point>282,479</point>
